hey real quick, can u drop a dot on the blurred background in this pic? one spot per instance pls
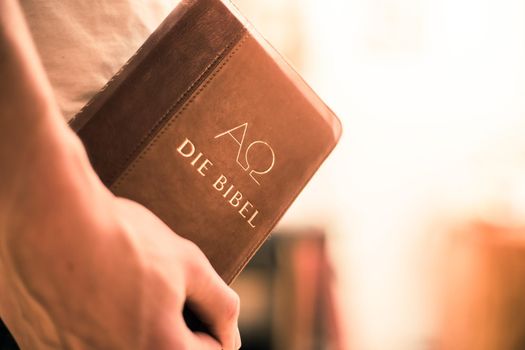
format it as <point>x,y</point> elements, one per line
<point>412,234</point>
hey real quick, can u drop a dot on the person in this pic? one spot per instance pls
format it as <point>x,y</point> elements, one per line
<point>79,267</point>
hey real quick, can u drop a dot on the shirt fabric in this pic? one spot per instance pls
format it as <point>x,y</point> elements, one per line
<point>82,44</point>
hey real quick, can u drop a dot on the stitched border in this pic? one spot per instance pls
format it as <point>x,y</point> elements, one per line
<point>141,155</point>
<point>124,163</point>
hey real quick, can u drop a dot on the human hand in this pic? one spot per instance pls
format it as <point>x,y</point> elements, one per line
<point>93,271</point>
<point>205,292</point>
<point>80,268</point>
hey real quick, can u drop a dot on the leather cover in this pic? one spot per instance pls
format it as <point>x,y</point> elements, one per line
<point>209,128</point>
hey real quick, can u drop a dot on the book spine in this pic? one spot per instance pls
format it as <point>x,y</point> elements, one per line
<point>90,109</point>
<point>183,51</point>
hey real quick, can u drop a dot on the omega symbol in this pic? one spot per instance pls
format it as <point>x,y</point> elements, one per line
<point>258,157</point>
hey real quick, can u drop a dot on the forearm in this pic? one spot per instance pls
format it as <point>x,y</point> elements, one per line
<point>26,98</point>
<point>46,184</point>
<point>78,267</point>
<point>48,191</point>
<point>22,73</point>
<point>37,150</point>
<point>28,114</point>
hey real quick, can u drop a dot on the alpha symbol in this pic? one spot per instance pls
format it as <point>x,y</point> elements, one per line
<point>257,158</point>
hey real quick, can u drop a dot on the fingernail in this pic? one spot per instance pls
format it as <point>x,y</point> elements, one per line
<point>238,342</point>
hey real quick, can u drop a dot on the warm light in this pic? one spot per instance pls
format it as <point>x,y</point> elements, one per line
<point>431,95</point>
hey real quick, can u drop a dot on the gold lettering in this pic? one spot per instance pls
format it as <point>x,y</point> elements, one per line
<point>196,159</point>
<point>240,142</point>
<point>245,208</point>
<point>204,166</point>
<point>236,199</point>
<point>261,171</point>
<point>263,165</point>
<point>253,217</point>
<point>227,191</point>
<point>219,184</point>
<point>183,145</point>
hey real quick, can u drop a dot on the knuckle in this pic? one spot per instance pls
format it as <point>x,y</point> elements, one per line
<point>232,306</point>
<point>191,248</point>
<point>195,260</point>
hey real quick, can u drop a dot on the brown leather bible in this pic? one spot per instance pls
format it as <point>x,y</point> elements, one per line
<point>209,128</point>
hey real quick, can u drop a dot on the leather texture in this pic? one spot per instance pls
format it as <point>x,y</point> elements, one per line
<point>209,128</point>
<point>186,47</point>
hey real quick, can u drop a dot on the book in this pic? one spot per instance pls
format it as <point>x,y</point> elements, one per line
<point>208,127</point>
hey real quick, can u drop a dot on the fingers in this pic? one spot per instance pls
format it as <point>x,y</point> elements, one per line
<point>171,333</point>
<point>206,293</point>
<point>203,341</point>
<point>214,302</point>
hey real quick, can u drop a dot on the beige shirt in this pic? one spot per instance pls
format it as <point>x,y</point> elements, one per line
<point>83,43</point>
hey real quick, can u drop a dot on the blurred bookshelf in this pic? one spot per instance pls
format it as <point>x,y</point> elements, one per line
<point>286,295</point>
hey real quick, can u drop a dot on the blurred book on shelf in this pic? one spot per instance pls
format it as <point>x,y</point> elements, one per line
<point>484,289</point>
<point>287,295</point>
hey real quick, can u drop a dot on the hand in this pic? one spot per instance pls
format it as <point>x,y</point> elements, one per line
<point>198,284</point>
<point>80,268</point>
<point>123,287</point>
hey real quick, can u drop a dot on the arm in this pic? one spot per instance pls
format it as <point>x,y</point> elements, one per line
<point>80,268</point>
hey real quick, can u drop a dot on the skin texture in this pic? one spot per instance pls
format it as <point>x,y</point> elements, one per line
<point>79,267</point>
